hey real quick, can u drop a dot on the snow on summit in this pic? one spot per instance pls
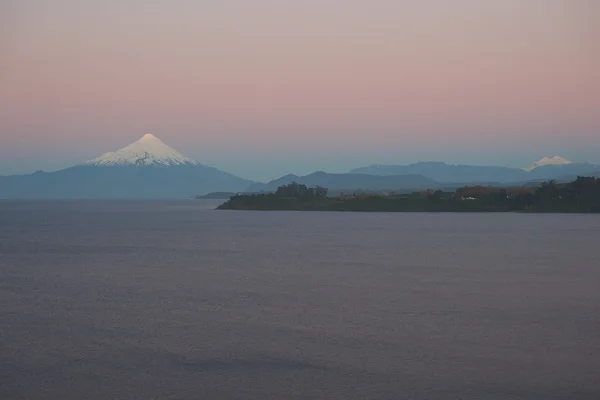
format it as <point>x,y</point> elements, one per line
<point>556,160</point>
<point>149,150</point>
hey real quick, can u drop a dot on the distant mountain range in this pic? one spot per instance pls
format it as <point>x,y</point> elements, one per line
<point>147,168</point>
<point>435,175</point>
<point>150,169</point>
<point>547,168</point>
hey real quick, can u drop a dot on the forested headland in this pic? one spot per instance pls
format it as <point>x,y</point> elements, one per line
<point>579,196</point>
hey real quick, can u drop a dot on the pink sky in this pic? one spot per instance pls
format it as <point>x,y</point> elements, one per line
<point>242,84</point>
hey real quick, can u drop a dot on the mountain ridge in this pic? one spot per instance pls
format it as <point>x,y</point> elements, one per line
<point>458,173</point>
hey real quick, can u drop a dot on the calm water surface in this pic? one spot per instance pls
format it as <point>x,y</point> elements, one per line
<point>153,300</point>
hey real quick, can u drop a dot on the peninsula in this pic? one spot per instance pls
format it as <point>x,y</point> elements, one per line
<point>579,196</point>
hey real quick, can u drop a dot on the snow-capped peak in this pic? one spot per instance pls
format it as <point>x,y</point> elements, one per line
<point>149,150</point>
<point>556,160</point>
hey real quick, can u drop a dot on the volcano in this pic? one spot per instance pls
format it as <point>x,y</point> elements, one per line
<point>145,169</point>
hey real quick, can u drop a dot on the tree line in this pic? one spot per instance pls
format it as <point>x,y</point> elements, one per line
<point>299,191</point>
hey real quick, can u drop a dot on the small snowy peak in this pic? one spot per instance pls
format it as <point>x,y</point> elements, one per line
<point>149,150</point>
<point>556,160</point>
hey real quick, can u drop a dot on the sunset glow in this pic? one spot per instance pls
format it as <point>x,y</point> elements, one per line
<point>247,85</point>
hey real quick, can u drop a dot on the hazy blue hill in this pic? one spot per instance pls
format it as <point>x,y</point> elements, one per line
<point>274,184</point>
<point>442,172</point>
<point>121,182</point>
<point>352,181</point>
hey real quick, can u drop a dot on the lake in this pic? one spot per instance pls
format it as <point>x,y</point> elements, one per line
<point>174,300</point>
